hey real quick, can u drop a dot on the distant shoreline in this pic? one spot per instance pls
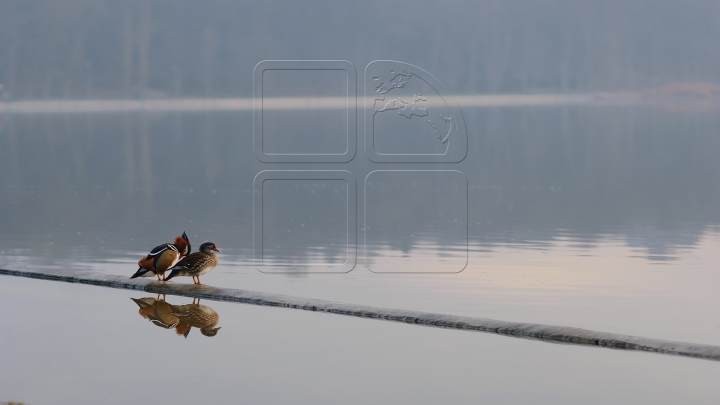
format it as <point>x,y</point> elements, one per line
<point>682,101</point>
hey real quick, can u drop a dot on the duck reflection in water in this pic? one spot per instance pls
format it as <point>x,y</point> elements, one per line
<point>182,318</point>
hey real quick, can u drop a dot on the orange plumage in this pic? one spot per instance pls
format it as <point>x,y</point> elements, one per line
<point>163,257</point>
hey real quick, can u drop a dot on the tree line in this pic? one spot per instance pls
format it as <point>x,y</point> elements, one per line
<point>177,48</point>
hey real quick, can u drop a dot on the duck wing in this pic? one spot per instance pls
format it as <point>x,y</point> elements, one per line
<point>193,264</point>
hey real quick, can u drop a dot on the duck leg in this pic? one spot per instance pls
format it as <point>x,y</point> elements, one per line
<point>199,283</point>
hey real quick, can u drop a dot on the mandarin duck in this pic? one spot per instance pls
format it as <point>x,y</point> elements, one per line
<point>163,257</point>
<point>157,311</point>
<point>199,316</point>
<point>196,264</point>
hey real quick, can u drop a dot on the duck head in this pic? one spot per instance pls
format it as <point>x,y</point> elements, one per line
<point>210,332</point>
<point>183,244</point>
<point>209,248</point>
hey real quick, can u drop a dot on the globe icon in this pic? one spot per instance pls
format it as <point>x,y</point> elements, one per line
<point>409,117</point>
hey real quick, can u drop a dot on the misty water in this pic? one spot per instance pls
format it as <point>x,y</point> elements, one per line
<point>596,217</point>
<point>549,162</point>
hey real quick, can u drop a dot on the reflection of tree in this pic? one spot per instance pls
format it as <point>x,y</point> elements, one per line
<point>534,175</point>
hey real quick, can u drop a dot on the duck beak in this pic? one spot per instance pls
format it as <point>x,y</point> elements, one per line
<point>217,250</point>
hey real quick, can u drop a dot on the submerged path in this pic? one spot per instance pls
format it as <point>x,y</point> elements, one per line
<point>533,331</point>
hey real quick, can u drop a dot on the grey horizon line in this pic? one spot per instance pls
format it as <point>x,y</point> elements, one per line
<point>306,103</point>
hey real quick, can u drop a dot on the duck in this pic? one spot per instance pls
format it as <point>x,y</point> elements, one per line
<point>196,264</point>
<point>157,311</point>
<point>163,257</point>
<point>199,316</point>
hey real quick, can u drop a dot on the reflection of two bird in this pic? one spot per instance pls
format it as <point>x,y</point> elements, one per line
<point>182,318</point>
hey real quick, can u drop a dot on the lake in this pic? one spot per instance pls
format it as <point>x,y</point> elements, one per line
<point>594,216</point>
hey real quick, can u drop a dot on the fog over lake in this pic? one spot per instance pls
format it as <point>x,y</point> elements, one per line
<point>541,162</point>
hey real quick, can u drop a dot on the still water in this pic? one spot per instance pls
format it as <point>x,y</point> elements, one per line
<point>595,217</point>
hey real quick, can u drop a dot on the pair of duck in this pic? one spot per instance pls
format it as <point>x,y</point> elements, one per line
<point>177,259</point>
<point>182,318</point>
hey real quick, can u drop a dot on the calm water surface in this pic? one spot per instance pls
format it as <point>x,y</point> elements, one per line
<point>596,217</point>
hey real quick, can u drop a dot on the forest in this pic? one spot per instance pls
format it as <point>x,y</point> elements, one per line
<point>78,49</point>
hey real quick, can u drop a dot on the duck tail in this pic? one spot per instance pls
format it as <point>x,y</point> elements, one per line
<point>172,274</point>
<point>139,273</point>
<point>142,304</point>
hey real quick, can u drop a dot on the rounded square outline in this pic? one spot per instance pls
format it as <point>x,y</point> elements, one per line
<point>260,178</point>
<point>467,222</point>
<point>258,71</point>
<point>450,101</point>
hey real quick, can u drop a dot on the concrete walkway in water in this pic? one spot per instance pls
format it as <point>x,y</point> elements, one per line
<point>544,333</point>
